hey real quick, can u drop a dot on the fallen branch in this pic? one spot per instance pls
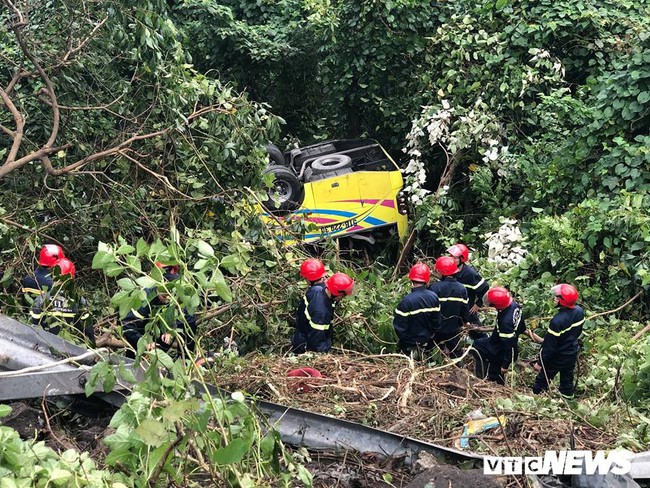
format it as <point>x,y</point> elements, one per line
<point>617,309</point>
<point>408,388</point>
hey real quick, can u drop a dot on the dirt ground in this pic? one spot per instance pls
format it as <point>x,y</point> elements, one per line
<point>451,477</point>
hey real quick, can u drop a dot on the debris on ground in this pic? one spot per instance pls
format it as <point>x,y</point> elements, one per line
<point>477,426</point>
<point>413,399</point>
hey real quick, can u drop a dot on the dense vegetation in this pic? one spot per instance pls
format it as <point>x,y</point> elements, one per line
<point>132,132</point>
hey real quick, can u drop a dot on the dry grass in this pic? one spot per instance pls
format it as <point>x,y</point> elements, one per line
<point>410,398</point>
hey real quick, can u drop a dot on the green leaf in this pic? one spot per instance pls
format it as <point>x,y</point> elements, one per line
<point>126,284</point>
<point>119,456</point>
<point>230,262</point>
<point>232,453</point>
<point>200,264</point>
<point>102,259</point>
<point>643,97</point>
<point>500,4</point>
<point>124,249</point>
<point>223,290</point>
<point>205,249</point>
<point>156,457</point>
<point>176,410</point>
<point>267,445</point>
<point>113,269</point>
<point>305,476</point>
<point>109,380</point>
<point>146,282</point>
<point>141,247</point>
<point>4,410</point>
<point>134,262</point>
<point>152,432</point>
<point>59,476</point>
<point>126,374</point>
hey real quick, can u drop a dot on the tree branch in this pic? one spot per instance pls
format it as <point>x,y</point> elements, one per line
<point>16,135</point>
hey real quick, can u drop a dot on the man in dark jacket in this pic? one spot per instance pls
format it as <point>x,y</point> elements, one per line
<point>40,280</point>
<point>454,312</point>
<point>314,330</point>
<point>417,316</point>
<point>560,347</point>
<point>182,330</point>
<point>61,306</point>
<point>495,354</point>
<point>476,286</point>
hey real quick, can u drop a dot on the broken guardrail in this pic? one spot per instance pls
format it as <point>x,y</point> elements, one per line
<point>35,363</point>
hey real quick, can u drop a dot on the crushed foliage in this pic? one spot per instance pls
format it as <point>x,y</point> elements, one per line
<point>414,399</point>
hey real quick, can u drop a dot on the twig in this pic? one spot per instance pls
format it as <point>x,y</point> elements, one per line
<point>163,460</point>
<point>65,445</point>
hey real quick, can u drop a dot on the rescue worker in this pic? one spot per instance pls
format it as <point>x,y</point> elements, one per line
<point>61,305</point>
<point>135,323</point>
<point>417,316</point>
<point>476,286</point>
<point>313,271</point>
<point>314,330</point>
<point>496,353</point>
<point>41,279</point>
<point>454,311</point>
<point>560,347</point>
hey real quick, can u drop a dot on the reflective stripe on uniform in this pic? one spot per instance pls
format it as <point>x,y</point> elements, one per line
<point>311,322</point>
<point>35,315</point>
<point>506,336</point>
<point>137,314</point>
<point>415,312</point>
<point>65,315</point>
<point>474,287</point>
<point>85,316</point>
<point>34,291</point>
<point>453,299</point>
<point>558,334</point>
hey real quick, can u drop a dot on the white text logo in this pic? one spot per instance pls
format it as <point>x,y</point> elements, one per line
<point>559,462</point>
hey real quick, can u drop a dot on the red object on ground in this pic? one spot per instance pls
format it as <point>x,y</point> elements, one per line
<point>301,386</point>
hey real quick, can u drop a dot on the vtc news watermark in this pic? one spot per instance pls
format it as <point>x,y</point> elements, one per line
<point>559,463</point>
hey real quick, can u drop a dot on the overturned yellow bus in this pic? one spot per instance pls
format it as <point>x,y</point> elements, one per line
<point>338,188</point>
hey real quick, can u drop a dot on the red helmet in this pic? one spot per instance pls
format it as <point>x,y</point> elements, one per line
<point>567,294</point>
<point>498,297</point>
<point>302,386</point>
<point>50,254</point>
<point>420,272</point>
<point>169,268</point>
<point>446,266</point>
<point>340,284</point>
<point>170,271</point>
<point>312,269</point>
<point>459,251</point>
<point>66,266</point>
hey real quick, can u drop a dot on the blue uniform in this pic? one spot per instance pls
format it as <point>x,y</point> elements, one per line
<point>314,321</point>
<point>559,351</point>
<point>55,308</point>
<point>135,323</point>
<point>416,318</point>
<point>454,312</point>
<point>476,287</point>
<point>500,349</point>
<point>36,283</point>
